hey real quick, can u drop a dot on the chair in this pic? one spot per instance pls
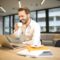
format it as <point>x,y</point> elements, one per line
<point>57,44</point>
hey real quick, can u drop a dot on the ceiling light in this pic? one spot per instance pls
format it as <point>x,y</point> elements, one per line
<point>19,2</point>
<point>42,2</point>
<point>2,9</point>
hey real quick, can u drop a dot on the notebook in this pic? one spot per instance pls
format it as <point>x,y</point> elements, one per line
<point>5,42</point>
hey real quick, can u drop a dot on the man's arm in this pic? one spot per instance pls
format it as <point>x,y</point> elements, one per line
<point>36,36</point>
<point>17,29</point>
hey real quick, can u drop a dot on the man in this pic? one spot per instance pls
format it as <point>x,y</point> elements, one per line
<point>27,28</point>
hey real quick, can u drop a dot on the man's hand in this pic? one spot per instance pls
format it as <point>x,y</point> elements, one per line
<point>16,27</point>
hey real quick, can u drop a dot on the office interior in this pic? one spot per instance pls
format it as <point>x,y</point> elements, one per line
<point>44,12</point>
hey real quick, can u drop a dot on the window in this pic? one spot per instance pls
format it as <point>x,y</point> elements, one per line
<point>58,28</point>
<point>43,28</point>
<point>6,25</point>
<point>50,18</point>
<point>55,14</point>
<point>16,19</point>
<point>1,27</point>
<point>11,19</point>
<point>41,20</point>
<point>58,18</point>
<point>33,15</point>
<point>51,28</point>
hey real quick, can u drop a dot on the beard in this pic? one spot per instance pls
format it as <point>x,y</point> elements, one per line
<point>24,21</point>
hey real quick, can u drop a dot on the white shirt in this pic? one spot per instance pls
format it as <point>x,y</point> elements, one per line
<point>32,32</point>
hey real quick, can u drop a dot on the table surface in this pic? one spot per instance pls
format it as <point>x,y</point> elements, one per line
<point>11,54</point>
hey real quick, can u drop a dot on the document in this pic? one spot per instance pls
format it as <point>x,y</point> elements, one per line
<point>36,52</point>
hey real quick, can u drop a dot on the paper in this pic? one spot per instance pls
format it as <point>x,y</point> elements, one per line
<point>23,52</point>
<point>36,52</point>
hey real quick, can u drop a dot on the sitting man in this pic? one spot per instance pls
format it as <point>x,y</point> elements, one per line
<point>27,29</point>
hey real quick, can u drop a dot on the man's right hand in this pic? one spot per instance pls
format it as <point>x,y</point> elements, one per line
<point>16,27</point>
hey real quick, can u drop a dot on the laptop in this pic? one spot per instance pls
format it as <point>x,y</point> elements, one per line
<point>5,42</point>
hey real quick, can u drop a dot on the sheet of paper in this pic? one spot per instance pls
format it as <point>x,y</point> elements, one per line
<point>37,53</point>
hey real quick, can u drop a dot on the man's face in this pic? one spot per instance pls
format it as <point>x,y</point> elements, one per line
<point>23,17</point>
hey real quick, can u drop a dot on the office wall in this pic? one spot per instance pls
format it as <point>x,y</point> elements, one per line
<point>1,25</point>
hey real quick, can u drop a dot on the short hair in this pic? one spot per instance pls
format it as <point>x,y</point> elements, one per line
<point>27,11</point>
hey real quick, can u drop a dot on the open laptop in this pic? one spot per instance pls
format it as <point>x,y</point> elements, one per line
<point>5,42</point>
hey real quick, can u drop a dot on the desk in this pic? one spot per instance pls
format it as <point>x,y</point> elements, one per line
<point>8,54</point>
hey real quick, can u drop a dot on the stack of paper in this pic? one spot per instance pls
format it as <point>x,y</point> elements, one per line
<point>42,51</point>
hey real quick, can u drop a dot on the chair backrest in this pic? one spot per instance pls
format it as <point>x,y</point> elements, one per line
<point>57,43</point>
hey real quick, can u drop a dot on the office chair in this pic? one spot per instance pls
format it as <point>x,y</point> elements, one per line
<point>57,44</point>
